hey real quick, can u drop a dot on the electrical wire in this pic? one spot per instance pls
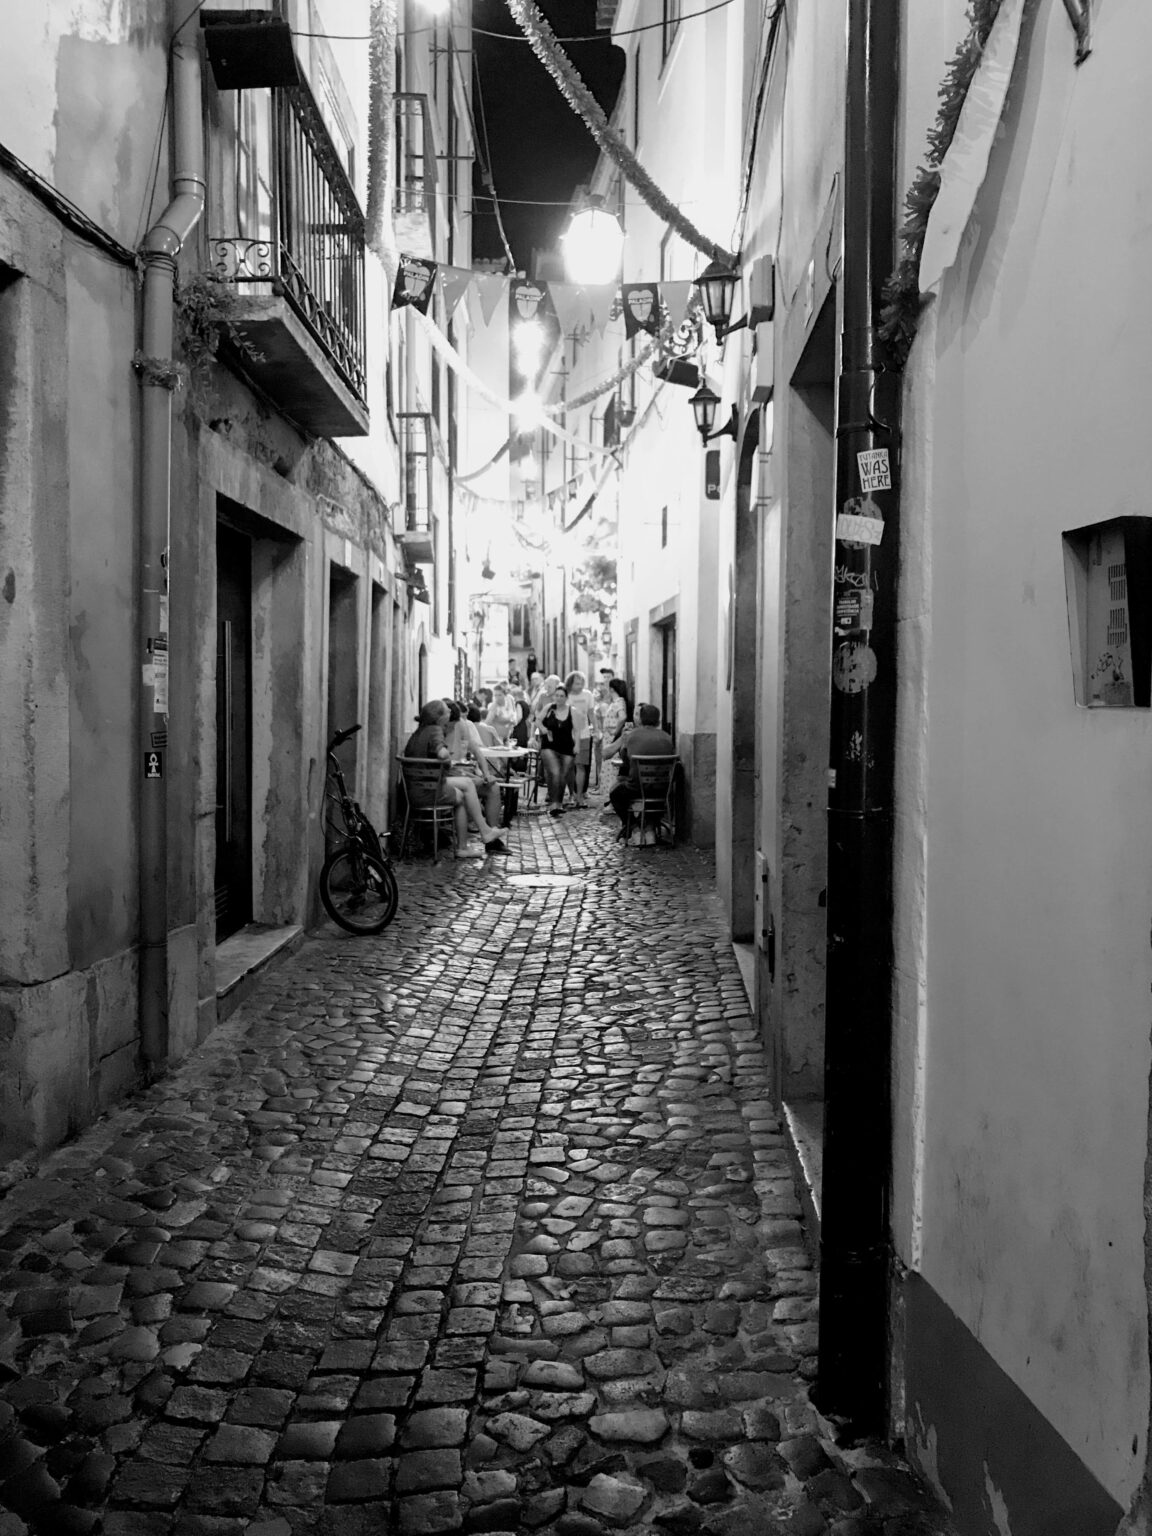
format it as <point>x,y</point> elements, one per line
<point>486,168</point>
<point>70,214</point>
<point>196,9</point>
<point>518,37</point>
<point>757,119</point>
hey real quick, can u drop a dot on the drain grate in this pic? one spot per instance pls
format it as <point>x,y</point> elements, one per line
<point>540,882</point>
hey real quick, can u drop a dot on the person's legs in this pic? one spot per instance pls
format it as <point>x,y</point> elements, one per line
<point>583,767</point>
<point>597,759</point>
<point>621,801</point>
<point>470,802</point>
<point>556,772</point>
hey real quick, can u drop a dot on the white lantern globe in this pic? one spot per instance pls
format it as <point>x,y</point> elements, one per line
<point>593,245</point>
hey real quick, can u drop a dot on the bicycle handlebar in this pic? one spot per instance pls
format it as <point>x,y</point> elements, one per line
<point>341,737</point>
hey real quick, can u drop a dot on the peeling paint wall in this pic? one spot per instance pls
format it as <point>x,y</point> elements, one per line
<point>82,91</point>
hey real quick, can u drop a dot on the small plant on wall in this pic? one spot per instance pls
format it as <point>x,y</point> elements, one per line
<point>207,313</point>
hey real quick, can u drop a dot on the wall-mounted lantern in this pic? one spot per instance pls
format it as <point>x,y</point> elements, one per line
<point>704,404</point>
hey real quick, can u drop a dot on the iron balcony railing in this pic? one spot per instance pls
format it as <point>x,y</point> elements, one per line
<point>317,256</point>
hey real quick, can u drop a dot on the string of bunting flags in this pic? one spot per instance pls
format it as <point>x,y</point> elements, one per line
<point>665,313</point>
<point>646,307</point>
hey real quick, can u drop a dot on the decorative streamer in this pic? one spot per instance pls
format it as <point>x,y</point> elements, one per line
<point>442,345</point>
<point>547,49</point>
<point>900,316</point>
<point>382,27</point>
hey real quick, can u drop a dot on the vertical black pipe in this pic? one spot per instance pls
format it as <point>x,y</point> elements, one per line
<point>855,1239</point>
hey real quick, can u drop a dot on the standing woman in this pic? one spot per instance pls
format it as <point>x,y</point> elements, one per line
<point>557,747</point>
<point>580,703</point>
<point>599,707</point>
<point>616,716</point>
<point>542,701</point>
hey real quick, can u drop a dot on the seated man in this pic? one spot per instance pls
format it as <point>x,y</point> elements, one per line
<point>428,740</point>
<point>647,740</point>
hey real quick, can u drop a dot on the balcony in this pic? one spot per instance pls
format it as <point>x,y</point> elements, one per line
<point>300,292</point>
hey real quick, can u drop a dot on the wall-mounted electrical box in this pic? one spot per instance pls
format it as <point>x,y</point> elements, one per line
<point>1108,576</point>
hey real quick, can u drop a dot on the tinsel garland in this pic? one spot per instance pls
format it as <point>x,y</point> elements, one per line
<point>547,49</point>
<point>382,27</point>
<point>900,314</point>
<point>623,372</point>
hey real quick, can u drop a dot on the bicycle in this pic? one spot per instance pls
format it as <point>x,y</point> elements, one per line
<point>357,884</point>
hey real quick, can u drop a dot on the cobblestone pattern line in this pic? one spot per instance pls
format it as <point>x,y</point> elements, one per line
<point>484,1225</point>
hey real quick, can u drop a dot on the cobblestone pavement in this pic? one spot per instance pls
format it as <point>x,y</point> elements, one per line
<point>483,1225</point>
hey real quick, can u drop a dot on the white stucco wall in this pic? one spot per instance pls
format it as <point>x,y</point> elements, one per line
<point>1028,984</point>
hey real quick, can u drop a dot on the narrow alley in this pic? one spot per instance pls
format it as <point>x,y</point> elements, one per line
<point>486,1224</point>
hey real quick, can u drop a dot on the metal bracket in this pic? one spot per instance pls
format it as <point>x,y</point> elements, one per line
<point>1080,15</point>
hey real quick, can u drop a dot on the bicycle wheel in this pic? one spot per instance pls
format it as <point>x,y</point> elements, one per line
<point>358,891</point>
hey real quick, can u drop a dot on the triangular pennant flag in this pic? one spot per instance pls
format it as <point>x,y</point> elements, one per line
<point>571,305</point>
<point>641,305</point>
<point>676,296</point>
<point>490,287</point>
<point>601,297</point>
<point>415,279</point>
<point>456,280</point>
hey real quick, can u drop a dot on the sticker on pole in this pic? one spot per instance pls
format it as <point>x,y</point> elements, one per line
<point>859,523</point>
<point>854,667</point>
<point>153,765</point>
<point>875,474</point>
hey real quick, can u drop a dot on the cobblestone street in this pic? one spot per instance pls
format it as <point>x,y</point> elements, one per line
<point>486,1224</point>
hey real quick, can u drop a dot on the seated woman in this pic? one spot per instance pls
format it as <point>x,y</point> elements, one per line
<point>429,740</point>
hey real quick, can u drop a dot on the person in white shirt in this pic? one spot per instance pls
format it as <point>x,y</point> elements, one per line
<point>580,702</point>
<point>502,714</point>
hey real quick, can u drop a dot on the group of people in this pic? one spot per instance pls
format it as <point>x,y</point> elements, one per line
<point>576,729</point>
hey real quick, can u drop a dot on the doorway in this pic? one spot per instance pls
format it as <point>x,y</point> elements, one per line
<point>665,646</point>
<point>233,878</point>
<point>343,666</point>
<point>743,642</point>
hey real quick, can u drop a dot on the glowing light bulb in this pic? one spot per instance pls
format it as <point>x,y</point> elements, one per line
<point>527,411</point>
<point>593,245</point>
<point>528,339</point>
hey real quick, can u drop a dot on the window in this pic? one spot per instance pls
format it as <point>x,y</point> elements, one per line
<point>671,24</point>
<point>1108,572</point>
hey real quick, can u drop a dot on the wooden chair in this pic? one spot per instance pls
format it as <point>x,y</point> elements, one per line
<point>426,803</point>
<point>655,806</point>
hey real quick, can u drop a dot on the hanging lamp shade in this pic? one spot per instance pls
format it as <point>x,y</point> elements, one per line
<point>717,285</point>
<point>593,245</point>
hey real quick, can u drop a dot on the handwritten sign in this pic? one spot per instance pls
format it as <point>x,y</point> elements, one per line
<point>875,473</point>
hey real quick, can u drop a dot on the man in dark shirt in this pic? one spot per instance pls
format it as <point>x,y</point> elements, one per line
<point>647,740</point>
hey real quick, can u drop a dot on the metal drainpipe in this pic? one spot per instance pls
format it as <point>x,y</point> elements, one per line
<point>161,246</point>
<point>853,1351</point>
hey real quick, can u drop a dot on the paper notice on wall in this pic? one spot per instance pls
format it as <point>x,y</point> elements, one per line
<point>965,164</point>
<point>851,528</point>
<point>160,683</point>
<point>875,472</point>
